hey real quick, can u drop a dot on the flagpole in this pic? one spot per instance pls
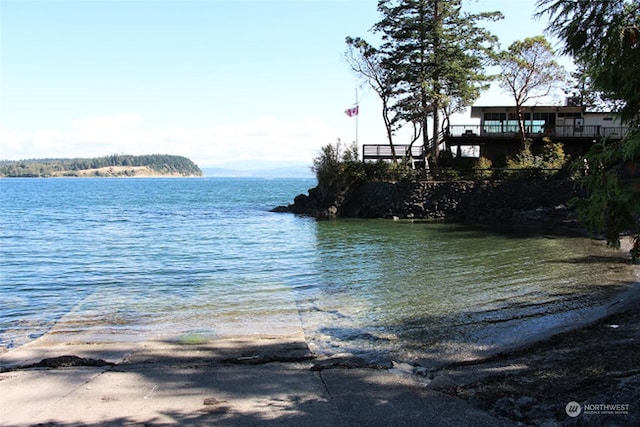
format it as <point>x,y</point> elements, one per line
<point>354,111</point>
<point>357,116</point>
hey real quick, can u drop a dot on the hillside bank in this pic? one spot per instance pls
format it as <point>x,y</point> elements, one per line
<point>122,171</point>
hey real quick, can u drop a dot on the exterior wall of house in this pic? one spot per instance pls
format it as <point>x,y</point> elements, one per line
<point>602,119</point>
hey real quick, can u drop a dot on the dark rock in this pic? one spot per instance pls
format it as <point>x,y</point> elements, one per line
<point>526,402</point>
<point>262,359</point>
<point>349,362</point>
<point>511,201</point>
<point>64,362</point>
<point>507,407</point>
<point>280,209</point>
<point>301,200</point>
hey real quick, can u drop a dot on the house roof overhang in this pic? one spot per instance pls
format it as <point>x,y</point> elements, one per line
<point>477,112</point>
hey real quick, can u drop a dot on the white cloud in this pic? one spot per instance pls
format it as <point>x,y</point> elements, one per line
<point>107,123</point>
<point>265,139</point>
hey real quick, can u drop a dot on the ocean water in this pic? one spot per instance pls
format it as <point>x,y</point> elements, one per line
<point>100,260</point>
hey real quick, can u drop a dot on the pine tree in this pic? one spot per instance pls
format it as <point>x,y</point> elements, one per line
<point>436,55</point>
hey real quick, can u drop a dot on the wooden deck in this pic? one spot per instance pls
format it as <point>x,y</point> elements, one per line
<point>384,152</point>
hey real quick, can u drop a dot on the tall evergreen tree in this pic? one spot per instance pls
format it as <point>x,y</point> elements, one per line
<point>436,54</point>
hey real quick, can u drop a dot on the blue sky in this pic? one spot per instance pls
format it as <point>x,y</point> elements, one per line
<point>216,81</point>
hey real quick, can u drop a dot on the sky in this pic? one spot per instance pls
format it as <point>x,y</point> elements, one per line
<point>221,82</point>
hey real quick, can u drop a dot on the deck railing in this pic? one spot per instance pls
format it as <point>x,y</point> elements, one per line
<point>384,152</point>
<point>510,131</point>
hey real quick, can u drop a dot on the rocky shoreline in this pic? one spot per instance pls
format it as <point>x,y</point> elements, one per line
<point>510,201</point>
<point>595,366</point>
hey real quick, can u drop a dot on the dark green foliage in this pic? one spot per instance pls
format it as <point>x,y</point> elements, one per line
<point>613,205</point>
<point>161,163</point>
<point>604,39</point>
<point>447,174</point>
<point>327,166</point>
<point>338,168</point>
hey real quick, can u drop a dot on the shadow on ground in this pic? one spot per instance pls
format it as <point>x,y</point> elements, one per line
<point>232,383</point>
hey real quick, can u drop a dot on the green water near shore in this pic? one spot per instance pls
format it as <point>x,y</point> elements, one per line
<point>446,291</point>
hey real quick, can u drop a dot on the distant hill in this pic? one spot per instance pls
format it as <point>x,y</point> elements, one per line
<point>115,165</point>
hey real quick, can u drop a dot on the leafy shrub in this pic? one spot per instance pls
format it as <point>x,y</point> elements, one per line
<point>523,160</point>
<point>553,156</point>
<point>483,167</point>
<point>546,164</point>
<point>337,168</point>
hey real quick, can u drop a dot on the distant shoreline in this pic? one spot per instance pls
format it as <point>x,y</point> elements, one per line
<point>111,172</point>
<point>116,165</point>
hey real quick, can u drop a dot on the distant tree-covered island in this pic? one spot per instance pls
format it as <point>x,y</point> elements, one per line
<point>115,165</point>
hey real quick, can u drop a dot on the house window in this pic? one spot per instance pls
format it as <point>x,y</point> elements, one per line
<point>540,121</point>
<point>508,122</point>
<point>493,122</point>
<point>511,125</point>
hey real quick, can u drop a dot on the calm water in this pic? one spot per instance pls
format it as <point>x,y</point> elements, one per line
<point>136,259</point>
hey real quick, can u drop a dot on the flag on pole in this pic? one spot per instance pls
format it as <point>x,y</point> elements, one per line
<point>352,111</point>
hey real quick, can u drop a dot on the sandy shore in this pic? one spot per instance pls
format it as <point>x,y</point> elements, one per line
<point>276,380</point>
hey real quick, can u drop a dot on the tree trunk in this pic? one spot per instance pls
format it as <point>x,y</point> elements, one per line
<point>425,127</point>
<point>435,150</point>
<point>387,125</point>
<point>523,134</point>
<point>435,105</point>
